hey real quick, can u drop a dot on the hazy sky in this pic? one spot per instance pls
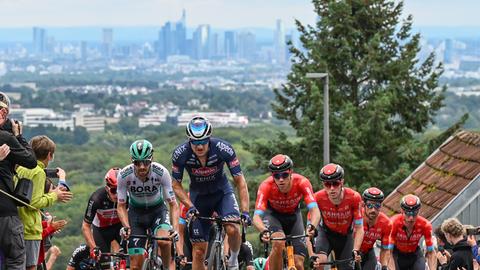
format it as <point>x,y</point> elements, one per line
<point>218,13</point>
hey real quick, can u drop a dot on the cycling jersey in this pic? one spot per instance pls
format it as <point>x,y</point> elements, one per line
<point>101,211</point>
<point>269,196</point>
<point>408,243</point>
<point>340,218</point>
<point>211,178</point>
<point>80,259</point>
<point>379,231</point>
<point>148,194</point>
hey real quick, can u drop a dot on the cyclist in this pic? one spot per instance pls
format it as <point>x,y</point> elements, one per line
<point>341,228</point>
<point>81,259</point>
<point>203,157</point>
<point>277,209</point>
<point>148,185</point>
<point>407,229</point>
<point>377,226</point>
<point>102,214</point>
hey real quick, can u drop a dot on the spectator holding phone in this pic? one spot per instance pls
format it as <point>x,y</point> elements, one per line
<point>16,152</point>
<point>462,257</point>
<point>472,241</point>
<point>44,149</point>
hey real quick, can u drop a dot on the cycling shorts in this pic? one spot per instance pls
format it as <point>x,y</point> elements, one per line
<point>328,240</point>
<point>409,261</point>
<point>369,260</point>
<point>103,237</point>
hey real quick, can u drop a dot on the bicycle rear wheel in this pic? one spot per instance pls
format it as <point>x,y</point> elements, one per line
<point>215,260</point>
<point>152,264</point>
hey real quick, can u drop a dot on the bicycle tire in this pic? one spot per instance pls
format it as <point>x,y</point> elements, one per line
<point>150,264</point>
<point>214,262</point>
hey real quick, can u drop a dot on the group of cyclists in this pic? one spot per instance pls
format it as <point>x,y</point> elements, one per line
<point>341,222</point>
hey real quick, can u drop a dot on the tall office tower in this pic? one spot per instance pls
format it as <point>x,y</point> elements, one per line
<point>83,51</point>
<point>279,43</point>
<point>230,45</point>
<point>214,50</point>
<point>107,42</point>
<point>201,41</point>
<point>39,40</point>
<point>247,46</point>
<point>448,55</point>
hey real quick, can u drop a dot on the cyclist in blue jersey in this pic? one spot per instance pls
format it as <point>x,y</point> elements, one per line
<point>148,185</point>
<point>203,157</point>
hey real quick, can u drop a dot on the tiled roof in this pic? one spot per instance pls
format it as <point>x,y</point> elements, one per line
<point>442,176</point>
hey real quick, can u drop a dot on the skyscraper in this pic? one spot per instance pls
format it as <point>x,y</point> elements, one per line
<point>279,43</point>
<point>39,40</point>
<point>201,41</point>
<point>107,42</point>
<point>230,45</point>
<point>247,46</point>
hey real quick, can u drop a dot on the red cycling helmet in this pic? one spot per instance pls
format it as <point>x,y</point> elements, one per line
<point>331,172</point>
<point>373,194</point>
<point>410,202</point>
<point>280,163</point>
<point>111,177</point>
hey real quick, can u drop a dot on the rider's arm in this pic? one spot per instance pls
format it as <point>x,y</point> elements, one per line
<point>430,256</point>
<point>358,222</point>
<point>260,207</point>
<point>181,193</point>
<point>87,221</point>
<point>177,176</point>
<point>122,200</point>
<point>241,185</point>
<point>309,198</point>
<point>387,247</point>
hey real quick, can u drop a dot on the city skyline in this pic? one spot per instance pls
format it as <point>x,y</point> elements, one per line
<point>218,13</point>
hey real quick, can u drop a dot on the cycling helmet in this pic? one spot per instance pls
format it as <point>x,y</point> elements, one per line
<point>199,128</point>
<point>373,194</point>
<point>259,263</point>
<point>410,202</point>
<point>111,177</point>
<point>280,163</point>
<point>331,172</point>
<point>141,150</point>
<point>4,100</point>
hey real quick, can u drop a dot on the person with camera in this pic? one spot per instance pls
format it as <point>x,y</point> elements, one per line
<point>462,257</point>
<point>44,149</point>
<point>11,229</point>
<point>472,241</point>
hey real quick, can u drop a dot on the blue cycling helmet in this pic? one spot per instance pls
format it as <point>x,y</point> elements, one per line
<point>199,128</point>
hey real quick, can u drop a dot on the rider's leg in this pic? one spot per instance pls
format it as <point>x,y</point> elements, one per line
<point>234,240</point>
<point>276,254</point>
<point>322,247</point>
<point>227,207</point>
<point>299,262</point>
<point>165,246</point>
<point>198,255</point>
<point>344,250</point>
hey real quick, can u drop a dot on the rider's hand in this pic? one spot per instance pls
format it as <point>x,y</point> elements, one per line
<point>125,232</point>
<point>181,259</point>
<point>246,218</point>
<point>357,255</point>
<point>265,236</point>
<point>311,231</point>
<point>192,211</point>
<point>314,261</point>
<point>95,253</point>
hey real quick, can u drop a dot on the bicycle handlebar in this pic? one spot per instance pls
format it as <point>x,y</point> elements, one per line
<point>338,262</point>
<point>147,236</point>
<point>288,237</point>
<point>220,220</point>
<point>112,254</point>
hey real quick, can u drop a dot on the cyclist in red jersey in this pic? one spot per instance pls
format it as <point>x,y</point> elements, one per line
<point>408,228</point>
<point>341,228</point>
<point>102,214</point>
<point>277,211</point>
<point>377,226</point>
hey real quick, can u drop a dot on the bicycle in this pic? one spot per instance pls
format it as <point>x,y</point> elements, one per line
<point>119,260</point>
<point>153,261</point>
<point>288,254</point>
<point>216,258</point>
<point>336,263</point>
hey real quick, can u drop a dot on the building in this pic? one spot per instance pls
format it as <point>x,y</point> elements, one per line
<point>230,45</point>
<point>89,121</point>
<point>152,120</point>
<point>201,42</point>
<point>34,117</point>
<point>218,119</point>
<point>247,46</point>
<point>39,41</point>
<point>279,43</point>
<point>447,183</point>
<point>107,42</point>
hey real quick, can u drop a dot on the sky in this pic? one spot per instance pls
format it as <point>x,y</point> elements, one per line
<point>218,13</point>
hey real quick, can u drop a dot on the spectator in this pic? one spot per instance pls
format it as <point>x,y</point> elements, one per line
<point>462,257</point>
<point>11,228</point>
<point>444,248</point>
<point>44,149</point>
<point>472,241</point>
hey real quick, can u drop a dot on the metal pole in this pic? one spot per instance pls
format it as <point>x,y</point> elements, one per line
<point>326,123</point>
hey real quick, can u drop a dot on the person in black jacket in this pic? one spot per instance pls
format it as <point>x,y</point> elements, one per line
<point>462,257</point>
<point>11,228</point>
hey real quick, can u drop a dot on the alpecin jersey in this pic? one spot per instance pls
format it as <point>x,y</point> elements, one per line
<point>144,195</point>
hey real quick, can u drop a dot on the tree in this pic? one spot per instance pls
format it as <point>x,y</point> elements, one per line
<point>381,94</point>
<point>80,135</point>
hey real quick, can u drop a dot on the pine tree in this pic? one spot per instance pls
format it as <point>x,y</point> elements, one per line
<point>381,94</point>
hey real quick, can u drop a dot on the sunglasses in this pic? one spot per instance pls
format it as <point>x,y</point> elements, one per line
<point>330,184</point>
<point>283,175</point>
<point>112,190</point>
<point>199,142</point>
<point>373,205</point>
<point>140,162</point>
<point>411,213</point>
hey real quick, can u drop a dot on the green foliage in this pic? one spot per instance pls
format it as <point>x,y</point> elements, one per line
<point>380,94</point>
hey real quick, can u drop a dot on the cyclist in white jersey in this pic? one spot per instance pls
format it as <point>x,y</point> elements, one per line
<point>148,185</point>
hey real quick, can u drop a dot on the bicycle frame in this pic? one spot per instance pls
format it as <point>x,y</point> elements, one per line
<point>153,261</point>
<point>121,262</point>
<point>289,256</point>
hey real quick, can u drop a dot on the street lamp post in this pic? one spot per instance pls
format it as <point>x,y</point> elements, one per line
<point>326,121</point>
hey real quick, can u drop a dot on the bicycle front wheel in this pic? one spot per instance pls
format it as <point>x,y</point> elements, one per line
<point>215,260</point>
<point>151,264</point>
